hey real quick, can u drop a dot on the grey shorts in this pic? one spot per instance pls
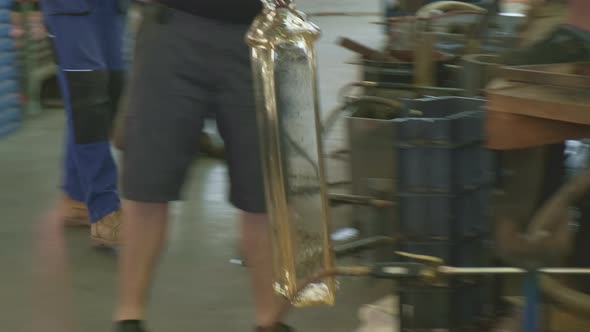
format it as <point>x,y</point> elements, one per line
<point>186,67</point>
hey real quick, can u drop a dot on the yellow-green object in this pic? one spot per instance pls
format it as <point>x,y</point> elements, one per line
<point>284,66</point>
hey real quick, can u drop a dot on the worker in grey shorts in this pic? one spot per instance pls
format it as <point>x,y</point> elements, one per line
<point>190,57</point>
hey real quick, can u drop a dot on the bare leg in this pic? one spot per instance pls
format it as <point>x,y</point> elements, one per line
<point>580,14</point>
<point>52,286</point>
<point>144,231</point>
<point>257,249</point>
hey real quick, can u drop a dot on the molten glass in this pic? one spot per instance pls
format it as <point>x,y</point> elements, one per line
<point>284,65</point>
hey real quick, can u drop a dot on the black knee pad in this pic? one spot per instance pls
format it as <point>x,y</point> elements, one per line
<point>116,88</point>
<point>91,105</point>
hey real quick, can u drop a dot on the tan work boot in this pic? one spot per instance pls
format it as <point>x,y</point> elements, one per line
<point>106,230</point>
<point>75,212</point>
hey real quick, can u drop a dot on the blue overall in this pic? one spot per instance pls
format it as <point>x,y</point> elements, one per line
<point>87,37</point>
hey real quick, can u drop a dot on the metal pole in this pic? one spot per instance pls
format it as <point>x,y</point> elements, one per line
<point>531,306</point>
<point>364,244</point>
<point>359,200</point>
<point>449,270</point>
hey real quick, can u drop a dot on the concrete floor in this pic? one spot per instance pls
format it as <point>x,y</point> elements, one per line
<point>196,288</point>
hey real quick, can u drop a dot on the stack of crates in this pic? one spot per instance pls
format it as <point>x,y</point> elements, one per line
<point>10,115</point>
<point>444,183</point>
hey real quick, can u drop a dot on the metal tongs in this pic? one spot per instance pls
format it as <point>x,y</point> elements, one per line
<point>432,270</point>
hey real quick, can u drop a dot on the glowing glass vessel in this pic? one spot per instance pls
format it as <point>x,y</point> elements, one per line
<point>284,66</point>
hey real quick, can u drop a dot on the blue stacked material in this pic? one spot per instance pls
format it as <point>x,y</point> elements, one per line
<point>444,172</point>
<point>10,115</point>
<point>443,217</point>
<point>447,308</point>
<point>444,182</point>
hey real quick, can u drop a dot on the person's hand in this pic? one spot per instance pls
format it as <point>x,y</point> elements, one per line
<point>517,249</point>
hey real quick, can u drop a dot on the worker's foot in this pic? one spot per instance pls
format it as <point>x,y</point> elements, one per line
<point>75,212</point>
<point>278,328</point>
<point>129,326</point>
<point>567,43</point>
<point>106,230</point>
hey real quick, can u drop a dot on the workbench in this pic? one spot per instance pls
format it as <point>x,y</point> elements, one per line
<point>530,112</point>
<point>537,107</point>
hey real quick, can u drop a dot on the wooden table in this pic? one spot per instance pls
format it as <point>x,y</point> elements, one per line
<point>522,115</point>
<point>523,119</point>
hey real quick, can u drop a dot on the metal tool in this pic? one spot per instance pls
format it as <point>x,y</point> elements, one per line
<point>337,199</point>
<point>433,272</point>
<point>365,51</point>
<point>434,267</point>
<point>364,244</point>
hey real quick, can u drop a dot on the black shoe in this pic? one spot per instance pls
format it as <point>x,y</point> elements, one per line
<point>278,328</point>
<point>129,326</point>
<point>567,43</point>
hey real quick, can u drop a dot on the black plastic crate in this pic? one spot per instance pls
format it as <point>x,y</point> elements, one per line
<point>473,212</point>
<point>449,309</point>
<point>446,121</point>
<point>445,217</point>
<point>473,252</point>
<point>439,146</point>
<point>444,170</point>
